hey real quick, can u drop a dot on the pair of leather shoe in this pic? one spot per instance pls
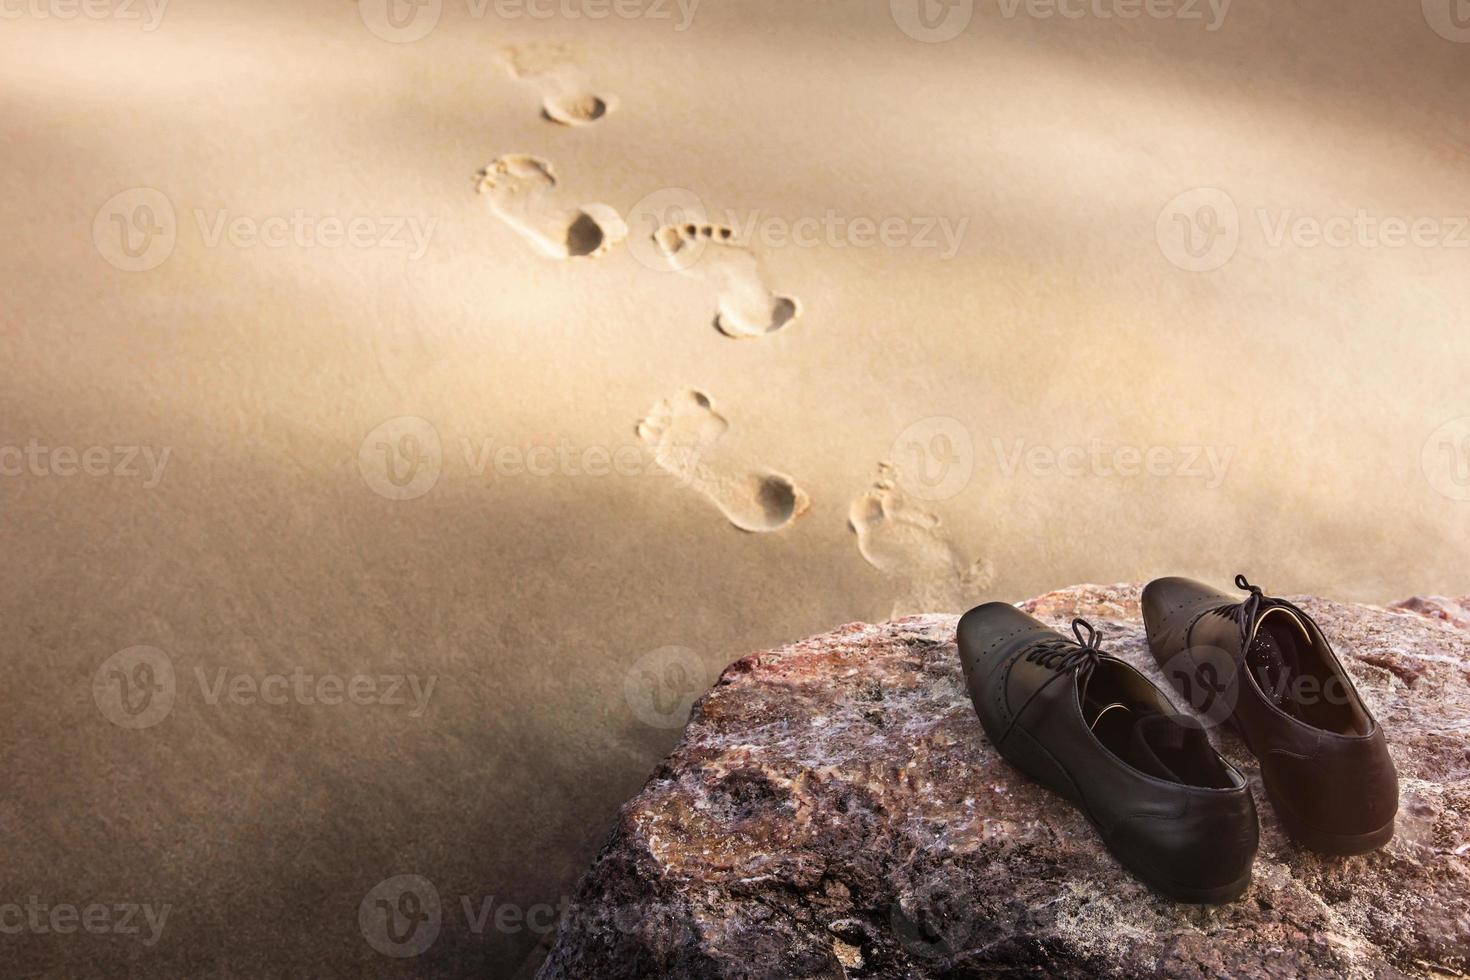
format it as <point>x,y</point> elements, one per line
<point>1099,733</point>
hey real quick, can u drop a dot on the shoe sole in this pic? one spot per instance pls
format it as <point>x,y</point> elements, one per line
<point>1309,837</point>
<point>1037,764</point>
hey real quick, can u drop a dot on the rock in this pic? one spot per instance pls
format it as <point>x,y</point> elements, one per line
<point>835,810</point>
<point>1453,611</point>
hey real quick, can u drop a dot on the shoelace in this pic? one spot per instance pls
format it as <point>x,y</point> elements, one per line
<point>1065,657</point>
<point>1247,611</point>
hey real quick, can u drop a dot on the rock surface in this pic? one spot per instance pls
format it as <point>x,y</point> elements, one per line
<point>835,810</point>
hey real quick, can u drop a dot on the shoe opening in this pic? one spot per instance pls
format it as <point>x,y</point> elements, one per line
<point>1130,718</point>
<point>1293,669</point>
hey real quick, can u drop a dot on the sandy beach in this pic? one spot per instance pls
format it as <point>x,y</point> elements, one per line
<point>409,409</point>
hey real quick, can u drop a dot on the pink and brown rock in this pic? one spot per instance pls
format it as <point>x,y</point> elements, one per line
<point>834,810</point>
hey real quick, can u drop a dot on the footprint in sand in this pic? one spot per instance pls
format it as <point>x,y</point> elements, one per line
<point>747,308</point>
<point>517,186</point>
<point>684,433</point>
<point>566,93</point>
<point>908,545</point>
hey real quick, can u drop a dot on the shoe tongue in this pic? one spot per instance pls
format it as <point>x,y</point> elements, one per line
<point>1157,737</point>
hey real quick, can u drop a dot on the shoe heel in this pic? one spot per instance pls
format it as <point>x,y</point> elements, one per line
<point>1328,843</point>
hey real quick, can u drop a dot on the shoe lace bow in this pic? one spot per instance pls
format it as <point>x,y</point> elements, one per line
<point>1065,657</point>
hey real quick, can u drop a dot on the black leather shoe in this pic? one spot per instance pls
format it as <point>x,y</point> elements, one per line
<point>1263,666</point>
<point>1094,730</point>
